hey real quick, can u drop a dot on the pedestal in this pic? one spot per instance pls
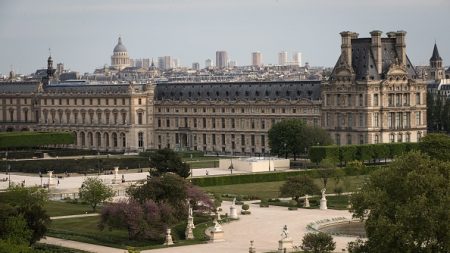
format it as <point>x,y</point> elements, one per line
<point>285,245</point>
<point>306,204</point>
<point>189,234</point>
<point>191,222</point>
<point>233,212</point>
<point>217,236</point>
<point>169,240</point>
<point>50,179</point>
<point>116,179</point>
<point>323,204</point>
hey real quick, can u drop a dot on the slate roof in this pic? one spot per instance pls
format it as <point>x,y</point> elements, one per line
<point>363,60</point>
<point>290,90</point>
<point>81,87</point>
<point>435,56</point>
<point>19,87</point>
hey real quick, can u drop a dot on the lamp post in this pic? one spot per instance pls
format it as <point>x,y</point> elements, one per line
<point>269,160</point>
<point>9,176</point>
<point>231,166</point>
<point>40,175</point>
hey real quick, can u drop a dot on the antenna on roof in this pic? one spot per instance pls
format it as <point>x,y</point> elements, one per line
<point>49,52</point>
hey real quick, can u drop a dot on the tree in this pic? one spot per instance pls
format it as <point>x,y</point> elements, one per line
<point>436,146</point>
<point>406,206</point>
<point>294,137</point>
<point>94,191</point>
<point>166,160</point>
<point>318,243</point>
<point>22,214</point>
<point>159,203</point>
<point>298,186</point>
<point>329,167</point>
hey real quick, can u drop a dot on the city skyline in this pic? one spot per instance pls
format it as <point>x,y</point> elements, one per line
<point>82,35</point>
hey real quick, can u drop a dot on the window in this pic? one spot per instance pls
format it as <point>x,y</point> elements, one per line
<point>360,100</point>
<point>350,103</point>
<point>115,118</point>
<point>98,101</point>
<point>204,139</point>
<point>361,119</point>
<point>213,123</point>
<point>328,98</point>
<point>350,119</point>
<point>159,122</point>
<point>418,102</point>
<point>213,139</point>
<point>123,101</point>
<point>349,139</point>
<point>139,118</point>
<point>139,101</point>
<point>167,122</point>
<point>376,139</point>
<point>391,138</point>
<point>263,140</point>
<point>253,124</point>
<point>400,137</point>
<point>338,139</point>
<point>204,122</point>
<point>223,123</point>
<point>253,140</point>
<point>115,101</point>
<point>195,123</point>
<point>90,101</point>
<point>376,119</point>
<point>418,118</point>
<point>242,140</point>
<point>223,139</point>
<point>263,124</point>
<point>391,99</point>
<point>361,139</point>
<point>408,137</point>
<point>124,118</point>
<point>419,136</point>
<point>233,123</point>
<point>375,100</point>
<point>141,139</point>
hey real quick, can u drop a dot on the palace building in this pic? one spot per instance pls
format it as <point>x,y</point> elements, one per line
<point>372,96</point>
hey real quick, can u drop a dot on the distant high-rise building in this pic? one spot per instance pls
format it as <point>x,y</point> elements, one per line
<point>146,63</point>
<point>297,59</point>
<point>208,63</point>
<point>282,58</point>
<point>256,59</point>
<point>232,64</point>
<point>59,68</point>
<point>165,62</point>
<point>221,59</point>
<point>175,63</point>
<point>196,66</point>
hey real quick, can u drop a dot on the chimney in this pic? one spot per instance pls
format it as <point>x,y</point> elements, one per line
<point>391,35</point>
<point>376,49</point>
<point>346,46</point>
<point>400,46</point>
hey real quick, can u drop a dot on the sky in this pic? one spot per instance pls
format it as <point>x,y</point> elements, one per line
<point>82,34</point>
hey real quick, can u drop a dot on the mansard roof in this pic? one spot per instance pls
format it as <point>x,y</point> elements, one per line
<point>363,60</point>
<point>19,87</point>
<point>290,90</point>
<point>84,87</point>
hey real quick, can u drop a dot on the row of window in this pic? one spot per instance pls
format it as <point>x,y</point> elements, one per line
<point>220,123</point>
<point>238,93</point>
<point>241,110</point>
<point>216,139</point>
<point>87,101</point>
<point>397,99</point>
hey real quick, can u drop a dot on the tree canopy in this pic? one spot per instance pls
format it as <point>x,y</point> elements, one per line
<point>298,186</point>
<point>406,206</point>
<point>23,219</point>
<point>166,160</point>
<point>94,191</point>
<point>318,243</point>
<point>159,203</point>
<point>294,137</point>
<point>436,146</point>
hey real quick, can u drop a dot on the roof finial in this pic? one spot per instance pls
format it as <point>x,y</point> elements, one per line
<point>50,52</point>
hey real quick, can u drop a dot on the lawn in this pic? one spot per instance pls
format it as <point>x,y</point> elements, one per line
<point>61,208</point>
<point>85,229</point>
<point>271,189</point>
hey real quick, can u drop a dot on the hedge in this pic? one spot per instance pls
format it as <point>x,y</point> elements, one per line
<point>29,154</point>
<point>76,165</point>
<point>34,139</point>
<point>364,152</point>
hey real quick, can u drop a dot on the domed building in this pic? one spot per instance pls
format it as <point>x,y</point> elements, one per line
<point>120,59</point>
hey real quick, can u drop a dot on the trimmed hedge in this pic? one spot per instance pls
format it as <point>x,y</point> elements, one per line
<point>265,177</point>
<point>364,152</point>
<point>29,154</point>
<point>77,165</point>
<point>34,139</point>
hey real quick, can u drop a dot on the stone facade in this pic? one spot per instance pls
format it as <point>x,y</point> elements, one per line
<point>373,94</point>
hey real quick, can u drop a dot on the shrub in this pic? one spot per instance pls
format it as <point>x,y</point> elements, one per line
<point>245,207</point>
<point>338,190</point>
<point>318,243</point>
<point>292,208</point>
<point>263,204</point>
<point>293,203</point>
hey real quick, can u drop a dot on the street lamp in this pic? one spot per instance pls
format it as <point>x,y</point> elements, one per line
<point>231,165</point>
<point>9,176</point>
<point>40,175</point>
<point>269,160</point>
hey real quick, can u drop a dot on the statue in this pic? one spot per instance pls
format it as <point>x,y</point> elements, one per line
<point>285,232</point>
<point>323,193</point>
<point>234,202</point>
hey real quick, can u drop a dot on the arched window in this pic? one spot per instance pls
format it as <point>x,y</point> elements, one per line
<point>83,139</point>
<point>98,136</point>
<point>114,138</point>
<point>124,140</point>
<point>376,139</point>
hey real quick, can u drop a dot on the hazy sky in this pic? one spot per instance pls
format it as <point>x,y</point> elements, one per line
<point>82,34</point>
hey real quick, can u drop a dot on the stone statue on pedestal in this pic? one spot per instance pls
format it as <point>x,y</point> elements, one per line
<point>286,243</point>
<point>323,200</point>
<point>306,204</point>
<point>168,240</point>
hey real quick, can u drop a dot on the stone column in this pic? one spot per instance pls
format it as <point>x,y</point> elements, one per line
<point>116,179</point>
<point>50,178</point>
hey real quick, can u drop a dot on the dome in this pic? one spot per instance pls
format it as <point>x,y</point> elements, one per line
<point>120,47</point>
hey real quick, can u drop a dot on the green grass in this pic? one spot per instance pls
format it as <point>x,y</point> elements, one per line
<point>47,248</point>
<point>61,208</point>
<point>85,229</point>
<point>271,189</point>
